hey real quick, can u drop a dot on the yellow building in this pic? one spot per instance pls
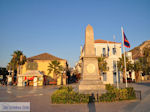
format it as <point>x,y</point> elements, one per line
<point>39,63</point>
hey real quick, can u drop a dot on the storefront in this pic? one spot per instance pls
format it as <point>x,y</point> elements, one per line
<point>30,78</point>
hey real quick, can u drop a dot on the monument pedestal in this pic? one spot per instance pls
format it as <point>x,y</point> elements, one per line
<point>90,82</point>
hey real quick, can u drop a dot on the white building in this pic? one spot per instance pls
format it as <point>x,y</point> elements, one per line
<point>130,74</point>
<point>112,52</point>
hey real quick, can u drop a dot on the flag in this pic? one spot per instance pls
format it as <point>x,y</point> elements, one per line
<point>126,42</point>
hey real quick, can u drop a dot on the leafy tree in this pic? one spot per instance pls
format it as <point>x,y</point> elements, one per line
<point>102,64</point>
<point>121,67</point>
<point>3,72</point>
<point>145,61</point>
<point>137,69</point>
<point>146,57</point>
<point>12,66</point>
<point>56,68</point>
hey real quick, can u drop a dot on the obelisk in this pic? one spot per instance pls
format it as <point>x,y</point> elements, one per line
<point>90,81</point>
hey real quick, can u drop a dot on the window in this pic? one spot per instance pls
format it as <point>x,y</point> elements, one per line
<point>114,65</point>
<point>104,52</point>
<point>114,51</point>
<point>104,76</point>
<point>114,77</point>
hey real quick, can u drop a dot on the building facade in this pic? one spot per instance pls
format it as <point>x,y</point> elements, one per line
<point>130,74</point>
<point>112,52</point>
<point>36,67</point>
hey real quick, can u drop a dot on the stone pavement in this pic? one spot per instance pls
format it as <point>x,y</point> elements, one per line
<point>39,98</point>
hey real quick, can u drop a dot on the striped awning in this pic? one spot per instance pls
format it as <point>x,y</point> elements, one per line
<point>32,73</point>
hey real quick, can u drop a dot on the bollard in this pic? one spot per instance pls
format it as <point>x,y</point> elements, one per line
<point>138,94</point>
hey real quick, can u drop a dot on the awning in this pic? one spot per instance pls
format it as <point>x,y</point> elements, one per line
<point>31,73</point>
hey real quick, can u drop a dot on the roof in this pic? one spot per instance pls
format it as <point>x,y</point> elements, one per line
<point>105,41</point>
<point>102,41</point>
<point>44,56</point>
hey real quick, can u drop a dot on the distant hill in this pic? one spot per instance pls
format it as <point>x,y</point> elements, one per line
<point>138,51</point>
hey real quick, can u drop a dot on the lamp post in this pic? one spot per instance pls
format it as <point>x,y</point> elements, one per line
<point>65,77</point>
<point>116,61</point>
<point>62,77</point>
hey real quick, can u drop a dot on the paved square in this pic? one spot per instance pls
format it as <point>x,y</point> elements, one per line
<point>41,102</point>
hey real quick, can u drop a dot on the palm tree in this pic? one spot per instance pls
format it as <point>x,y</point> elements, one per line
<point>12,66</point>
<point>102,64</point>
<point>56,68</point>
<point>17,60</point>
<point>137,69</point>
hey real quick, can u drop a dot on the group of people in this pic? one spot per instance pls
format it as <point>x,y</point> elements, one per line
<point>4,81</point>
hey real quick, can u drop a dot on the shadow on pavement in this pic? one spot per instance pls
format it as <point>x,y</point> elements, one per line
<point>133,106</point>
<point>91,103</point>
<point>130,107</point>
<point>144,84</point>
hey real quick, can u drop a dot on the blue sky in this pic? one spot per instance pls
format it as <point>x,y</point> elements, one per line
<point>58,26</point>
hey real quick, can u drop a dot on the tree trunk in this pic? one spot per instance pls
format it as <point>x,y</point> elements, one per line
<point>137,76</point>
<point>54,76</point>
<point>12,74</point>
<point>17,74</point>
<point>124,77</point>
<point>20,69</point>
<point>100,75</point>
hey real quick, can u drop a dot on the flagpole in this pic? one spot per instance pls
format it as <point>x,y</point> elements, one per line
<point>116,61</point>
<point>124,57</point>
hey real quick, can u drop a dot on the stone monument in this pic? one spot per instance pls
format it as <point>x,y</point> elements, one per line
<point>90,81</point>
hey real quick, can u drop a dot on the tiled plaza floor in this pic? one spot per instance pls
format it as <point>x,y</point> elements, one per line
<point>39,98</point>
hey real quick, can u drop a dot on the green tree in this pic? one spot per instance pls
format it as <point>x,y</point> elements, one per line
<point>146,58</point>
<point>121,67</point>
<point>102,64</point>
<point>145,61</point>
<point>17,60</point>
<point>137,69</point>
<point>56,68</point>
<point>12,67</point>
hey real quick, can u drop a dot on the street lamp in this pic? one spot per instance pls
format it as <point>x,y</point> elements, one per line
<point>62,77</point>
